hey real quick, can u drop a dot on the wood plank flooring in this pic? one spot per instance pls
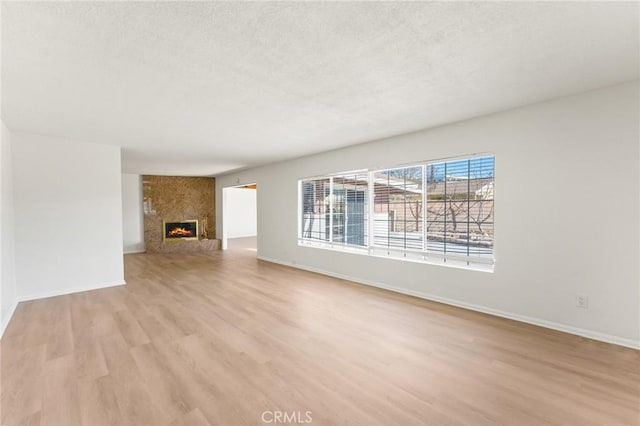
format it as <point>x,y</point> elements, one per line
<point>220,339</point>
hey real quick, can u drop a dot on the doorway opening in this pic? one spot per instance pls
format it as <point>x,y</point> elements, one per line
<point>240,218</point>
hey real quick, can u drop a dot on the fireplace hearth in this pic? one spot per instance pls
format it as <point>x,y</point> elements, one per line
<point>177,230</point>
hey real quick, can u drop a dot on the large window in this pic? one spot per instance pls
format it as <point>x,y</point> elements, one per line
<point>439,211</point>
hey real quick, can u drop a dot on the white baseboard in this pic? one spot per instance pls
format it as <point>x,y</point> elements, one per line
<point>595,335</point>
<point>35,296</point>
<point>5,321</point>
<point>134,251</point>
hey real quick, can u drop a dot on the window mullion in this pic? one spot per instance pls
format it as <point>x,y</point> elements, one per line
<point>388,213</point>
<point>444,239</point>
<point>468,207</point>
<point>424,207</point>
<point>331,210</point>
<point>300,211</point>
<point>371,208</point>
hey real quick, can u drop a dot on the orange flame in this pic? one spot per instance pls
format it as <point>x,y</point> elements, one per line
<point>179,232</point>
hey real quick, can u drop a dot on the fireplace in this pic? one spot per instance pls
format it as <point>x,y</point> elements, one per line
<point>177,230</point>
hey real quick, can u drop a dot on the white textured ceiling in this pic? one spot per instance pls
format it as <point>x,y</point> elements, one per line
<point>202,88</point>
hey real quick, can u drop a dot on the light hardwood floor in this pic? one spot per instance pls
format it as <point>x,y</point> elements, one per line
<point>222,338</point>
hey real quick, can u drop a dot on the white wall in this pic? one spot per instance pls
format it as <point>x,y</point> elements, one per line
<point>578,153</point>
<point>68,215</point>
<point>241,212</point>
<point>8,299</point>
<point>132,215</point>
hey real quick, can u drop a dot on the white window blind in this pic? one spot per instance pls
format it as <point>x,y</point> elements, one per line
<point>398,208</point>
<point>315,209</point>
<point>439,212</point>
<point>460,207</point>
<point>336,209</point>
<point>349,204</point>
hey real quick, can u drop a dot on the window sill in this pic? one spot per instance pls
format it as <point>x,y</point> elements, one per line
<point>458,262</point>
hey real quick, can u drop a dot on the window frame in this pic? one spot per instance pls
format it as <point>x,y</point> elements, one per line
<point>470,262</point>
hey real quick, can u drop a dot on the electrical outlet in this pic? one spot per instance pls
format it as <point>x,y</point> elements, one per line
<point>582,301</point>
